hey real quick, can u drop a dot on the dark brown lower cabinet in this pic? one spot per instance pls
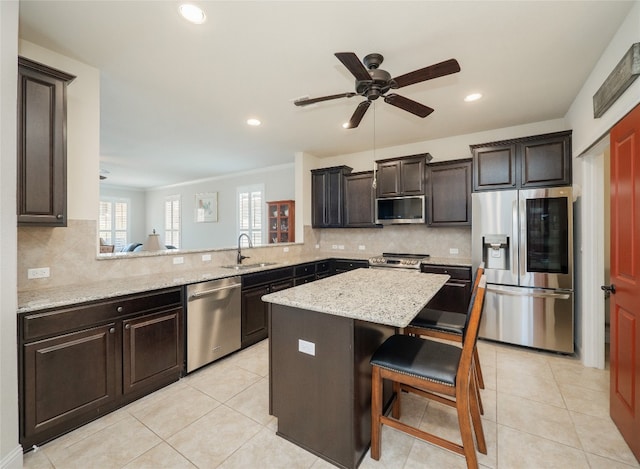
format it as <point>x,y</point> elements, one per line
<point>456,293</point>
<point>83,361</point>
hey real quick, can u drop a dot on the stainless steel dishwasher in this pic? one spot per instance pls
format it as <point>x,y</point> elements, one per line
<point>213,320</point>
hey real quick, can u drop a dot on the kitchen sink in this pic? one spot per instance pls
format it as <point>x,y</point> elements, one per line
<point>248,266</point>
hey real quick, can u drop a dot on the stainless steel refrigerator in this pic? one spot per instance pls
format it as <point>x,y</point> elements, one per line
<point>525,239</point>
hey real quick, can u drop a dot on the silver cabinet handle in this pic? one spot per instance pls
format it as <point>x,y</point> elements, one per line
<point>119,309</point>
<point>112,330</point>
<point>59,216</point>
<point>128,326</point>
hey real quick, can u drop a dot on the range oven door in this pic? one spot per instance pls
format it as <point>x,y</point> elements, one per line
<point>546,238</point>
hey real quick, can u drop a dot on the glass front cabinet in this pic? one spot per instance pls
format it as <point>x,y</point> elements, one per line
<point>282,224</point>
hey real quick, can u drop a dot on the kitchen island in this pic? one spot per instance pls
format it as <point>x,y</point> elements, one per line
<point>322,336</point>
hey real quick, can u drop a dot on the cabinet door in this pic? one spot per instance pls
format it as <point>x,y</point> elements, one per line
<point>494,167</point>
<point>327,190</point>
<point>68,379</point>
<point>546,162</point>
<point>42,171</point>
<point>254,315</point>
<point>319,199</point>
<point>449,201</point>
<point>388,179</point>
<point>453,296</point>
<point>412,174</point>
<point>152,349</point>
<point>359,200</point>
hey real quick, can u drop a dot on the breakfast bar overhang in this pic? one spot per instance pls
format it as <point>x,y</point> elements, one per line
<point>322,336</point>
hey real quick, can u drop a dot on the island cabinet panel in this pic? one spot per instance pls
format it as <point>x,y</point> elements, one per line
<point>536,161</point>
<point>449,188</point>
<point>42,147</point>
<point>80,362</point>
<point>359,198</point>
<point>320,381</point>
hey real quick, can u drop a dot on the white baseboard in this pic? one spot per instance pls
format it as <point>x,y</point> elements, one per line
<point>13,460</point>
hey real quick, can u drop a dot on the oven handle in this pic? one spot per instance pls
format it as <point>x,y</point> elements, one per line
<point>536,293</point>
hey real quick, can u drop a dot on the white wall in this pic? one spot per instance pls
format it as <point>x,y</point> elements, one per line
<point>586,129</point>
<point>278,184</point>
<point>83,130</point>
<point>10,450</point>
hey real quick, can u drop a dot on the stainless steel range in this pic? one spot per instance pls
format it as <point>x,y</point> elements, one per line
<point>398,261</point>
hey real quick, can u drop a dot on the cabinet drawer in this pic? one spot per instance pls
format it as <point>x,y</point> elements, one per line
<point>345,264</point>
<point>455,272</point>
<point>301,280</point>
<point>43,324</point>
<point>269,276</point>
<point>323,266</point>
<point>304,270</point>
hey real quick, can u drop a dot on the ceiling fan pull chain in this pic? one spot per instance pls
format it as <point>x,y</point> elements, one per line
<point>375,180</point>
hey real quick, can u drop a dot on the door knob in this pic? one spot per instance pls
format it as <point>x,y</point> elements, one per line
<point>608,290</point>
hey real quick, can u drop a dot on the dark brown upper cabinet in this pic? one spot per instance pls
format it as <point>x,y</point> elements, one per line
<point>42,146</point>
<point>449,193</point>
<point>327,196</point>
<point>396,177</point>
<point>537,161</point>
<point>359,197</point>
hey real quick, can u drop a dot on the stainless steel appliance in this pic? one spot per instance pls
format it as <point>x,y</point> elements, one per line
<point>213,320</point>
<point>398,261</point>
<point>525,239</point>
<point>401,210</point>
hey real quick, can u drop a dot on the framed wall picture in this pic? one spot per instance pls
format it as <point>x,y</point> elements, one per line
<point>207,207</point>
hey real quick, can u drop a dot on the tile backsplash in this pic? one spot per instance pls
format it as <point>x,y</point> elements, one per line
<point>70,253</point>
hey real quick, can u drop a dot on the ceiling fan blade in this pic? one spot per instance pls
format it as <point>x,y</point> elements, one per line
<point>432,71</point>
<point>407,104</point>
<point>305,101</point>
<point>354,65</point>
<point>358,114</point>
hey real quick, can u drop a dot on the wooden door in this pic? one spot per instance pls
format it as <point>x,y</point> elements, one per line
<point>625,277</point>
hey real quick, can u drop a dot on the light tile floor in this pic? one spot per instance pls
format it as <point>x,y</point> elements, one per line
<point>541,411</point>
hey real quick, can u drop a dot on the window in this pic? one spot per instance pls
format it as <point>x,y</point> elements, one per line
<point>114,222</point>
<point>172,221</point>
<point>250,208</point>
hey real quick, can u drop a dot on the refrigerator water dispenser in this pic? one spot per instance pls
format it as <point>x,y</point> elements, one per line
<point>495,250</point>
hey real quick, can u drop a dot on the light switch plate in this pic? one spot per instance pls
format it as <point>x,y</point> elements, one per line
<point>178,260</point>
<point>453,250</point>
<point>307,347</point>
<point>206,257</point>
<point>40,272</point>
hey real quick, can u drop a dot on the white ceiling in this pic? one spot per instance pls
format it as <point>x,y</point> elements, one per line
<point>175,96</point>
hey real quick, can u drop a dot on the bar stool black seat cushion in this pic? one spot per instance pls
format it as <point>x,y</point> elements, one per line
<point>413,356</point>
<point>446,321</point>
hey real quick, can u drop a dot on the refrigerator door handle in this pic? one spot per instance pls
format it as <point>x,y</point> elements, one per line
<point>522,217</point>
<point>536,293</point>
<point>515,239</point>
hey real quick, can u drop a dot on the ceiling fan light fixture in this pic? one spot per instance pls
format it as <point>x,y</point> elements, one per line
<point>472,97</point>
<point>192,13</point>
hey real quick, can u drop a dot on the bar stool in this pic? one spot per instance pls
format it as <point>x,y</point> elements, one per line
<point>434,370</point>
<point>447,325</point>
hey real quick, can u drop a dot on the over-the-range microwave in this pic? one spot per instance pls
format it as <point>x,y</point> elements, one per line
<point>400,210</point>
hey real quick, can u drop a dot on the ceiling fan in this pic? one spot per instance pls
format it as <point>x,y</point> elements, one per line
<point>372,82</point>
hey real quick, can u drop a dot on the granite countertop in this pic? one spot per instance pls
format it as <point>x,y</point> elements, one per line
<point>34,300</point>
<point>385,296</point>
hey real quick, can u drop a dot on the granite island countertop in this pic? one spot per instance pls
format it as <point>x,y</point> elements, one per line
<point>385,296</point>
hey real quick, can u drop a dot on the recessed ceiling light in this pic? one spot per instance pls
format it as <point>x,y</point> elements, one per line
<point>254,122</point>
<point>192,13</point>
<point>472,97</point>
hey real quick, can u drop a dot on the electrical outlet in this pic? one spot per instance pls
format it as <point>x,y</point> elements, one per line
<point>361,247</point>
<point>341,246</point>
<point>334,246</point>
<point>178,260</point>
<point>285,249</point>
<point>307,347</point>
<point>40,272</point>
<point>453,250</point>
<point>206,258</point>
<point>317,246</point>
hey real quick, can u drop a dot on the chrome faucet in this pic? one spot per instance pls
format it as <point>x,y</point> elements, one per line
<point>240,256</point>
